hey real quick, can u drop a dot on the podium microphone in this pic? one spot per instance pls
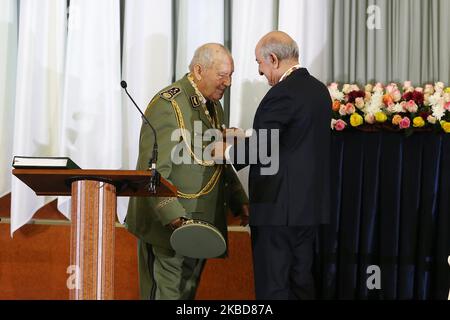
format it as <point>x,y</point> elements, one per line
<point>155,178</point>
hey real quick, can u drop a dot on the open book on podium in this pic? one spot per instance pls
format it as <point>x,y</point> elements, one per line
<point>93,213</point>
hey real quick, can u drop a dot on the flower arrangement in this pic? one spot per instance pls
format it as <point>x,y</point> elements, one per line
<point>377,107</point>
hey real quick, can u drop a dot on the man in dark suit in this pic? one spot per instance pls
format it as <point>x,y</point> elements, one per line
<point>286,207</point>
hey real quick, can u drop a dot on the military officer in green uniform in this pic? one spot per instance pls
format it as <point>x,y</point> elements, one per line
<point>205,189</point>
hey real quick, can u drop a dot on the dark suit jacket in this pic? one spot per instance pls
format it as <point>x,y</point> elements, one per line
<point>298,194</point>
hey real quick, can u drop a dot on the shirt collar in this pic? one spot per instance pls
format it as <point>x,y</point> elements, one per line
<point>289,71</point>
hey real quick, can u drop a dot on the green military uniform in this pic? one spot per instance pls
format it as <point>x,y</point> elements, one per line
<point>205,191</point>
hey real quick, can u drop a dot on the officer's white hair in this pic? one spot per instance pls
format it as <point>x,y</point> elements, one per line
<point>282,50</point>
<point>204,55</point>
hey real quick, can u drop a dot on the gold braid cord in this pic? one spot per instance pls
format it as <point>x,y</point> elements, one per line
<point>218,171</point>
<point>206,189</point>
<point>180,121</point>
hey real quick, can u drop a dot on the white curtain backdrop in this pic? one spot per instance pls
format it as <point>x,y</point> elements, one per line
<point>40,65</point>
<point>147,68</point>
<point>256,17</point>
<point>69,102</point>
<point>307,22</point>
<point>199,22</point>
<point>8,59</point>
<point>92,110</point>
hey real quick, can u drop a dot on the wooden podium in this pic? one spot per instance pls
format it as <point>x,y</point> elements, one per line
<point>93,217</point>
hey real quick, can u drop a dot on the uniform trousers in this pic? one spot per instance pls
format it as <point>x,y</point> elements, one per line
<point>165,275</point>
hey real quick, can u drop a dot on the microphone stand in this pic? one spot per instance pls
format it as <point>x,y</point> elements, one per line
<point>155,179</point>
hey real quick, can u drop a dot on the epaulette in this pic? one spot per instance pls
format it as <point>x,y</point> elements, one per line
<point>170,93</point>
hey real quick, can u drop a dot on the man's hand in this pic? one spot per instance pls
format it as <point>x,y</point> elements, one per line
<point>218,151</point>
<point>245,214</point>
<point>233,133</point>
<point>175,224</point>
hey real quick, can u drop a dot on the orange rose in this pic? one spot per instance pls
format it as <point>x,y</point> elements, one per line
<point>387,99</point>
<point>336,105</point>
<point>396,120</point>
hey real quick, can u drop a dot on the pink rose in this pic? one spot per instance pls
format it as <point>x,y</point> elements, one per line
<point>397,95</point>
<point>391,88</point>
<point>333,86</point>
<point>369,118</point>
<point>411,106</point>
<point>447,106</point>
<point>378,87</point>
<point>403,104</point>
<point>419,89</point>
<point>405,123</point>
<point>391,108</point>
<point>349,108</point>
<point>340,125</point>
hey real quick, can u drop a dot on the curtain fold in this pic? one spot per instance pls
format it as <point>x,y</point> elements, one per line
<point>388,211</point>
<point>147,67</point>
<point>307,22</point>
<point>39,90</point>
<point>248,86</point>
<point>198,22</point>
<point>408,45</point>
<point>91,129</point>
<point>8,62</point>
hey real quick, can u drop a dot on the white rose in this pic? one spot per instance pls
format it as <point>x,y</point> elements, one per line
<point>346,88</point>
<point>438,111</point>
<point>333,123</point>
<point>359,102</point>
<point>398,107</point>
<point>354,87</point>
<point>431,119</point>
<point>429,89</point>
<point>439,85</point>
<point>447,97</point>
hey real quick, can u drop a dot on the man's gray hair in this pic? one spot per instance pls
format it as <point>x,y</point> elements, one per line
<point>205,54</point>
<point>282,50</point>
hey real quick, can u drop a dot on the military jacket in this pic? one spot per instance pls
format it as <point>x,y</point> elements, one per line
<point>205,190</point>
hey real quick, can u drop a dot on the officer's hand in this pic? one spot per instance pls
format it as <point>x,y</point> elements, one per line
<point>175,224</point>
<point>245,214</point>
<point>233,133</point>
<point>218,150</point>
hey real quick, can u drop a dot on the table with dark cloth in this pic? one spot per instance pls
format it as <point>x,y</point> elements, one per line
<point>390,208</point>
